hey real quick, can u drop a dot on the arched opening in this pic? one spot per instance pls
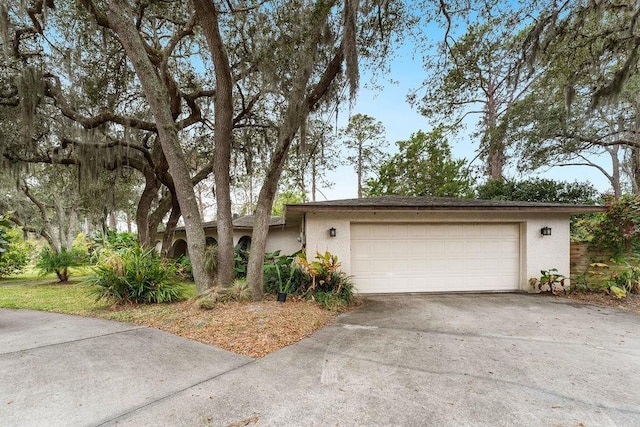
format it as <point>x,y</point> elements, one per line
<point>210,241</point>
<point>244,243</point>
<point>178,249</point>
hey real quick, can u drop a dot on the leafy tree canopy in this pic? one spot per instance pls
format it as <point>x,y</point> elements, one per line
<point>538,190</point>
<point>285,198</point>
<point>423,166</point>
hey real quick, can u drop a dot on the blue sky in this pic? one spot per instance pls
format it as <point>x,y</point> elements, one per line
<point>390,106</point>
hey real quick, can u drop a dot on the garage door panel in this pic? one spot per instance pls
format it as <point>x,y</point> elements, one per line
<point>433,257</point>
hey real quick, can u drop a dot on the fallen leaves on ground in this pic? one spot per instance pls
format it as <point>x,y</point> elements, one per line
<point>254,329</point>
<point>631,302</point>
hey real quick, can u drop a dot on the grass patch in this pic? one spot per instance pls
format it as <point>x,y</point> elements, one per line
<point>71,298</point>
<point>32,276</point>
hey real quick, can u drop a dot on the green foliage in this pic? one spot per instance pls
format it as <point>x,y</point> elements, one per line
<point>4,226</point>
<point>241,262</point>
<point>550,278</point>
<point>184,269</point>
<point>581,226</point>
<point>364,137</point>
<point>319,279</point>
<point>617,276</point>
<point>545,190</point>
<point>50,261</point>
<point>281,274</point>
<point>423,166</point>
<point>82,246</point>
<point>135,275</point>
<point>592,279</point>
<point>538,190</point>
<point>617,230</point>
<point>17,252</point>
<point>628,280</point>
<point>110,241</point>
<point>286,198</point>
<point>329,286</point>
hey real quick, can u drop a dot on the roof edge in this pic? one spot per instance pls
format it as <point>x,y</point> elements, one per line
<point>575,209</point>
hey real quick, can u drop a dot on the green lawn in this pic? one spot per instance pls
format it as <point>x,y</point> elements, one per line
<point>31,276</point>
<point>33,292</point>
<point>72,298</point>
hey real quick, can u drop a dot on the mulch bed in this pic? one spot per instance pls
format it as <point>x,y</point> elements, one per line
<point>253,329</point>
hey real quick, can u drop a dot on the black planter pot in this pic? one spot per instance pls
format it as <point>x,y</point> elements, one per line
<point>282,296</point>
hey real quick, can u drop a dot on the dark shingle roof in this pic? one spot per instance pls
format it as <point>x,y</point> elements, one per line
<point>439,203</point>
<point>243,222</point>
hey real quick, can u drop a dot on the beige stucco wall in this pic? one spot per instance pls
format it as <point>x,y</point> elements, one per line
<point>286,239</point>
<point>537,252</point>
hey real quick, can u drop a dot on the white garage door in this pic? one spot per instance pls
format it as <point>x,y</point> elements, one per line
<point>389,257</point>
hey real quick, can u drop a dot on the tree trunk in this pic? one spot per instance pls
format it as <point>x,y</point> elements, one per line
<point>157,95</point>
<point>74,223</point>
<point>208,18</point>
<point>360,160</point>
<point>296,113</point>
<point>495,157</point>
<point>63,275</point>
<point>635,170</point>
<point>314,175</point>
<point>615,171</point>
<point>113,221</point>
<point>170,230</point>
<point>146,237</point>
<point>49,233</point>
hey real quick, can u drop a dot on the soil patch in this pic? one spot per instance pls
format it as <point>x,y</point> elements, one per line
<point>630,303</point>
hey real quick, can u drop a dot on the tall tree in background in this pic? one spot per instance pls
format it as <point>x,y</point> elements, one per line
<point>476,75</point>
<point>586,100</point>
<point>364,136</point>
<point>313,155</point>
<point>423,166</point>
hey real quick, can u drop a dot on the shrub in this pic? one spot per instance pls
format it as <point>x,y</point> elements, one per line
<point>320,279</point>
<point>241,260</point>
<point>617,230</point>
<point>110,241</point>
<point>328,285</point>
<point>184,269</point>
<point>621,273</point>
<point>281,274</point>
<point>136,275</point>
<point>81,246</point>
<point>17,253</point>
<point>239,290</point>
<point>211,260</point>
<point>50,261</point>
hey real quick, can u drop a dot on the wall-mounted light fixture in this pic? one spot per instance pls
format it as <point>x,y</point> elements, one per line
<point>545,231</point>
<point>332,232</point>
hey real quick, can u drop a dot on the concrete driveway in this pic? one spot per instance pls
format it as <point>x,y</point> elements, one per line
<point>403,360</point>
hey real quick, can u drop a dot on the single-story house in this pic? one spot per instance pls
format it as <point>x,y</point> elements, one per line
<point>423,244</point>
<point>281,237</point>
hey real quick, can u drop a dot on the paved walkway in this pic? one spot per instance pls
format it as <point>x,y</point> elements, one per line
<point>405,360</point>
